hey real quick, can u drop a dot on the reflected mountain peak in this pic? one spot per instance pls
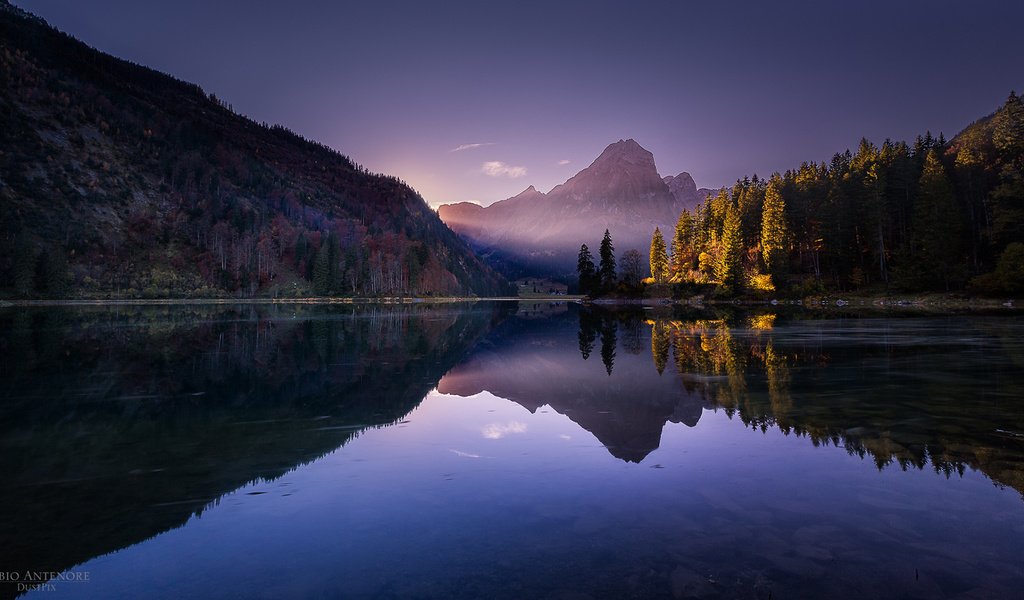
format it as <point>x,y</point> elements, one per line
<point>625,408</point>
<point>142,418</point>
<point>747,365</point>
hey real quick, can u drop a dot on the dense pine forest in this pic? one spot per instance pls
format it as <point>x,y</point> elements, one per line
<point>935,215</point>
<point>119,181</point>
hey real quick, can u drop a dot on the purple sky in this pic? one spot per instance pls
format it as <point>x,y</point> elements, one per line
<point>719,89</point>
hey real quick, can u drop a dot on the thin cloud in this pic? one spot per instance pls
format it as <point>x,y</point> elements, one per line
<point>496,168</point>
<point>470,146</point>
<point>563,162</point>
<point>496,431</point>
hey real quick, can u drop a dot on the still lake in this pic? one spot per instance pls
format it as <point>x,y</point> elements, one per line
<point>504,450</point>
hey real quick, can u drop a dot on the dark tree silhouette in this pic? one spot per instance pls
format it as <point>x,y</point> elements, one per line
<point>606,270</point>
<point>609,330</point>
<point>589,326</point>
<point>585,271</point>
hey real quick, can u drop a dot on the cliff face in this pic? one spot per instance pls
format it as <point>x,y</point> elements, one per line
<point>620,191</point>
<point>117,179</point>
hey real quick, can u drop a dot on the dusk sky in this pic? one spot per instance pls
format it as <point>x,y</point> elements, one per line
<point>471,101</point>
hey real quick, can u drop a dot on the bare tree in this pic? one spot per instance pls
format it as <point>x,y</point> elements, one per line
<point>632,267</point>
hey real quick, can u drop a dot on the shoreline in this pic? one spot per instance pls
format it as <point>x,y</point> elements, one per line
<point>310,300</point>
<point>886,303</point>
<point>231,301</point>
<point>881,304</point>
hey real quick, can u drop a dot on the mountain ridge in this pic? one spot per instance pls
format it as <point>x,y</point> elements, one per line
<point>620,190</point>
<point>117,180</point>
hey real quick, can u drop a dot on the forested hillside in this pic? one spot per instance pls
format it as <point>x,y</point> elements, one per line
<point>934,215</point>
<point>119,181</point>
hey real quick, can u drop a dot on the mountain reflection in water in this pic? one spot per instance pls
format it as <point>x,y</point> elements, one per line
<point>121,424</point>
<point>537,363</point>
<point>903,391</point>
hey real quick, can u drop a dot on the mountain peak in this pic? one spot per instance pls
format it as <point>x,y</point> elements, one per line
<point>684,176</point>
<point>684,190</point>
<point>529,192</point>
<point>625,152</point>
<point>620,191</point>
<point>625,146</point>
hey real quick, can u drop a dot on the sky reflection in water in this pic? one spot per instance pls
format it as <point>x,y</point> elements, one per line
<point>529,471</point>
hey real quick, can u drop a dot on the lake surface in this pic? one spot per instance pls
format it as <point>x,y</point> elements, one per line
<point>503,450</point>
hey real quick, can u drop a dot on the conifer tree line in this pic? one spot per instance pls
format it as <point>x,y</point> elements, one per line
<point>935,215</point>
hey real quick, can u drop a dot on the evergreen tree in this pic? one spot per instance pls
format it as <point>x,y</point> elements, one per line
<point>809,184</point>
<point>586,271</point>
<point>606,270</point>
<point>325,267</point>
<point>773,227</point>
<point>715,212</point>
<point>727,266</point>
<point>321,273</point>
<point>1008,127</point>
<point>1008,197</point>
<point>936,238</point>
<point>969,166</point>
<point>334,260</point>
<point>682,243</point>
<point>749,202</point>
<point>1008,206</point>
<point>659,257</point>
<point>839,231</point>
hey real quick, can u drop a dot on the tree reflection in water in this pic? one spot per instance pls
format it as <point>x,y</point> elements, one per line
<point>891,390</point>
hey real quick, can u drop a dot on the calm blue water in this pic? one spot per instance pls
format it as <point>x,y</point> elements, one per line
<point>473,452</point>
